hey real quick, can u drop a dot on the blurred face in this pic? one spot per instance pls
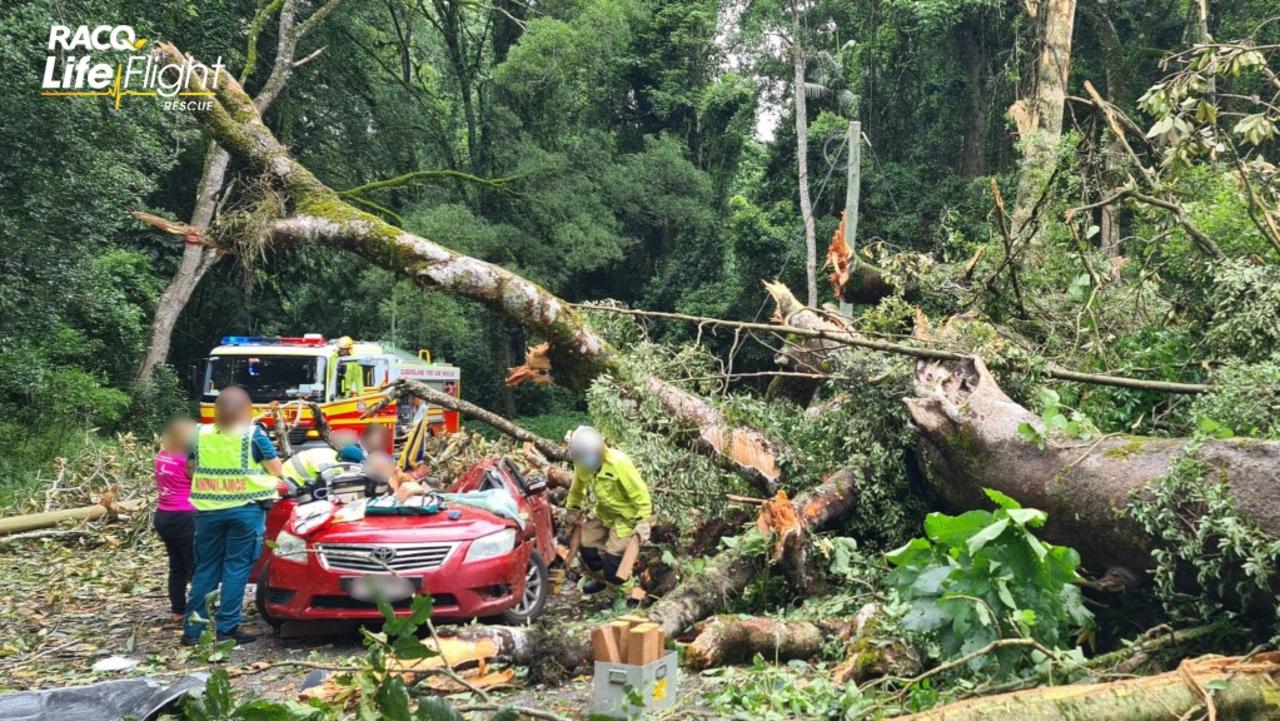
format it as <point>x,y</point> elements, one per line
<point>232,408</point>
<point>590,461</point>
<point>375,436</point>
<point>380,466</point>
<point>179,435</point>
<point>342,439</point>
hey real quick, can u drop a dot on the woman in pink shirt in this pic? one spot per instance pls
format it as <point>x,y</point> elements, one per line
<point>175,518</point>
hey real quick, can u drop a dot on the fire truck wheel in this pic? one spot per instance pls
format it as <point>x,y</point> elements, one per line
<point>260,598</point>
<point>537,582</point>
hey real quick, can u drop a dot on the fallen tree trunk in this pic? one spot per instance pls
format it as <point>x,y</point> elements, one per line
<point>33,521</point>
<point>970,430</point>
<point>1226,688</point>
<point>733,639</point>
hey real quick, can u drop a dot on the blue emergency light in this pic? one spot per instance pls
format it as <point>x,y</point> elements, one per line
<point>308,339</point>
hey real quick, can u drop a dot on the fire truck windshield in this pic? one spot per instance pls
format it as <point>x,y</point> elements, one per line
<point>267,377</point>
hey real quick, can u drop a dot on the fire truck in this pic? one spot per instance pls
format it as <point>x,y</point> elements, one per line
<point>298,371</point>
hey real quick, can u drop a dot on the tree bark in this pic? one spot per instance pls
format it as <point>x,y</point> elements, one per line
<point>1241,689</point>
<point>197,259</point>
<point>973,154</point>
<point>733,639</point>
<point>1119,93</point>
<point>1038,116</point>
<point>970,430</point>
<point>802,159</point>
<point>745,451</point>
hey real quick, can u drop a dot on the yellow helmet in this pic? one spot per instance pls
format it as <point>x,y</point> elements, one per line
<point>345,342</point>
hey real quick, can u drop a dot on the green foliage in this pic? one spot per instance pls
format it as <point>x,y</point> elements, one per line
<point>864,425</point>
<point>1244,398</point>
<point>982,576</point>
<point>1245,302</point>
<point>1054,416</point>
<point>692,487</point>
<point>1191,512</point>
<point>773,693</point>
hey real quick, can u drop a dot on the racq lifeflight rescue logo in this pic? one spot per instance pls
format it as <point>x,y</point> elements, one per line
<point>73,68</point>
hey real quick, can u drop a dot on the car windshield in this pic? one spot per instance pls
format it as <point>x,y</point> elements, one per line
<point>267,377</point>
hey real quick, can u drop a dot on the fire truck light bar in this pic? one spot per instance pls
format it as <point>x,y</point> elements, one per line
<point>308,339</point>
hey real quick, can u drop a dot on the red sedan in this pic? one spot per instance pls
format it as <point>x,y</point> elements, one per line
<point>474,563</point>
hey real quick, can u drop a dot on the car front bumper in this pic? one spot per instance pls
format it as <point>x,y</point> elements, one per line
<point>460,590</point>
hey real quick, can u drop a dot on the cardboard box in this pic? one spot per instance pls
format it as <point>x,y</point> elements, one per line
<point>656,683</point>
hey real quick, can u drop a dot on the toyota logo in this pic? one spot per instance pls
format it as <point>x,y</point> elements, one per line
<point>383,553</point>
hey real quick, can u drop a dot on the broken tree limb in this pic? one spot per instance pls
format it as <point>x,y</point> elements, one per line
<point>923,353</point>
<point>745,451</point>
<point>730,571</point>
<point>547,447</point>
<point>732,639</point>
<point>33,521</point>
<point>970,428</point>
<point>1161,641</point>
<point>1242,688</point>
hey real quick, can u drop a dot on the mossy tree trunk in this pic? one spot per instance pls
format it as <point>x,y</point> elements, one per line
<point>970,432</point>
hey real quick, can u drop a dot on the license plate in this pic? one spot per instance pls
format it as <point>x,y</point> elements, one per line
<point>370,588</point>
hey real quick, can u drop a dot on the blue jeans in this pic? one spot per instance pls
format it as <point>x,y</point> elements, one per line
<point>227,544</point>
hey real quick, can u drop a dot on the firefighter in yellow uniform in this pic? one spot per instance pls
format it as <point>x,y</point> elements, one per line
<point>350,374</point>
<point>234,474</point>
<point>622,505</point>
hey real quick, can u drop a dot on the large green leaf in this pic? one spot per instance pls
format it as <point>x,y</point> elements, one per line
<point>433,709</point>
<point>986,535</point>
<point>954,531</point>
<point>1001,499</point>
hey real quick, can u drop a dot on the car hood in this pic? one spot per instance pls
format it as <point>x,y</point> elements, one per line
<point>471,523</point>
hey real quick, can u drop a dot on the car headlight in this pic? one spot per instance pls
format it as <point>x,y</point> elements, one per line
<point>290,547</point>
<point>494,544</point>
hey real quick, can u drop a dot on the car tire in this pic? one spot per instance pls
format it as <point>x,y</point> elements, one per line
<point>537,586</point>
<point>260,599</point>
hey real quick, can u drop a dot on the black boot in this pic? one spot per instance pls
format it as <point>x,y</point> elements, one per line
<point>237,635</point>
<point>609,566</point>
<point>592,586</point>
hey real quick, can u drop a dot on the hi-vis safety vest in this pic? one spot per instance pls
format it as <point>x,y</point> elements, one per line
<point>226,476</point>
<point>303,466</point>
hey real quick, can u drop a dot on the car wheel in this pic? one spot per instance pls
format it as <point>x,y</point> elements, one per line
<point>260,598</point>
<point>537,583</point>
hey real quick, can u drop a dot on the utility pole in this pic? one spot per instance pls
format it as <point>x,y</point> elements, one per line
<point>853,189</point>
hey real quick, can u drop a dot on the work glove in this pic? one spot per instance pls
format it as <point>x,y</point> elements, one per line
<point>642,530</point>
